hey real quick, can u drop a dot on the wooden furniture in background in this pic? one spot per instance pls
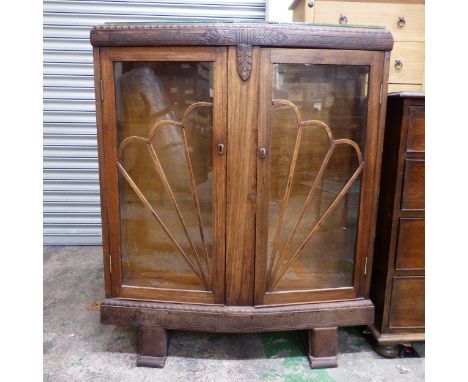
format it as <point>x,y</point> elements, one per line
<point>404,18</point>
<point>239,172</point>
<point>397,288</point>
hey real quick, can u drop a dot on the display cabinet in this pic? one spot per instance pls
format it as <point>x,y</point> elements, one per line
<point>239,171</point>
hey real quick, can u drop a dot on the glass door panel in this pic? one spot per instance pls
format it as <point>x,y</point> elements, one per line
<point>169,180</point>
<point>302,253</point>
<point>316,137</point>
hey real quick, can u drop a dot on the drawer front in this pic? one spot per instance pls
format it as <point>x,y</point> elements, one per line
<point>409,28</point>
<point>407,304</point>
<point>413,185</point>
<point>410,248</point>
<point>407,63</point>
<point>415,137</point>
<point>416,88</point>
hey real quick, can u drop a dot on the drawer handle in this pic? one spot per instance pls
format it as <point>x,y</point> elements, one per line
<point>311,3</point>
<point>262,153</point>
<point>343,19</point>
<point>401,22</point>
<point>398,65</point>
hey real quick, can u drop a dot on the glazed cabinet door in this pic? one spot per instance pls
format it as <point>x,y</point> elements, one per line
<point>163,170</point>
<point>316,173</point>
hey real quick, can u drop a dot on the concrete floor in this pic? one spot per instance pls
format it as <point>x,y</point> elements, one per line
<point>78,348</point>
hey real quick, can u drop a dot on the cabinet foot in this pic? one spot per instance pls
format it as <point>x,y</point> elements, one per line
<point>323,348</point>
<point>388,351</point>
<point>152,346</point>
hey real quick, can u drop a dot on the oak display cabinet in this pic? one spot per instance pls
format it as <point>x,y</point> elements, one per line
<point>239,172</point>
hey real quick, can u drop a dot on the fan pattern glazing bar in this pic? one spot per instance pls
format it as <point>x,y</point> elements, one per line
<point>204,273</point>
<point>278,265</point>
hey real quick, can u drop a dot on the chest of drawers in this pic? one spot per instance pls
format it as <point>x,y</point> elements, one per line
<point>397,288</point>
<point>403,18</point>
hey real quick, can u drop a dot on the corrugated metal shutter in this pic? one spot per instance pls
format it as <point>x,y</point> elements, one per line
<point>71,182</point>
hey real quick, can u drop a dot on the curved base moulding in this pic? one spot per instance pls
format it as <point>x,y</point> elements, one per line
<point>154,319</point>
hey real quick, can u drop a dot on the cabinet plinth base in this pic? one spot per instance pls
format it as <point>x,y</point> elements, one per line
<point>237,319</point>
<point>154,319</point>
<point>323,348</point>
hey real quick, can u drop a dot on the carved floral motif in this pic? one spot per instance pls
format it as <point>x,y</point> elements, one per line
<point>243,36</point>
<point>244,39</point>
<point>244,60</point>
<point>219,36</point>
<point>268,37</point>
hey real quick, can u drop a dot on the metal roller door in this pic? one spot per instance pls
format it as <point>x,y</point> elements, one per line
<point>71,181</point>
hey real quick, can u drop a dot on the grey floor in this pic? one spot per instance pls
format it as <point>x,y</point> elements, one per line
<point>78,348</point>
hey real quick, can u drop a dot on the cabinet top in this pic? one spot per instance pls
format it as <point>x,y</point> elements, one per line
<point>295,35</point>
<point>312,2</point>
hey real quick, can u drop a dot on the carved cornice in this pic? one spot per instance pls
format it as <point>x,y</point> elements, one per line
<point>284,35</point>
<point>244,36</point>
